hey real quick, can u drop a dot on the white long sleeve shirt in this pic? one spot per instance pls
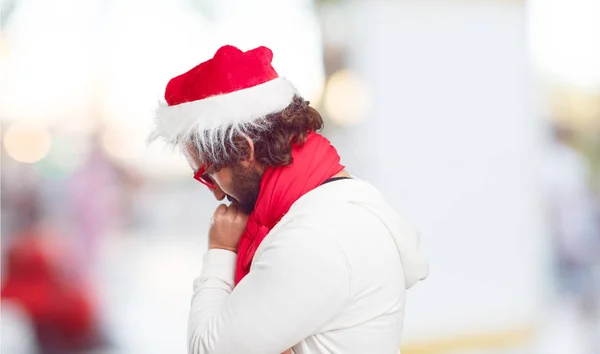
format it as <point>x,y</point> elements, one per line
<point>329,278</point>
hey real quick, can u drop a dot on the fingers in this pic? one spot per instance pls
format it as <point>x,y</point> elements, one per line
<point>233,208</point>
<point>237,214</point>
<point>221,209</point>
<point>242,216</point>
<point>231,211</point>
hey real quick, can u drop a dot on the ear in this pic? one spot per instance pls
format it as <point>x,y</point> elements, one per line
<point>250,160</point>
<point>250,157</point>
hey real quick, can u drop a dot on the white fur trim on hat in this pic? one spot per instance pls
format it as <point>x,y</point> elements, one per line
<point>223,111</point>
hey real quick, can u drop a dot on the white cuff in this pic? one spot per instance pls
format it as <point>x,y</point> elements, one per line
<point>220,264</point>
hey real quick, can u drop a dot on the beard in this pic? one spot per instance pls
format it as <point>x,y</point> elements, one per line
<point>245,184</point>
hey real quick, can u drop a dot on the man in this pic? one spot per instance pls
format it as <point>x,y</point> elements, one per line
<point>305,256</point>
<point>576,233</point>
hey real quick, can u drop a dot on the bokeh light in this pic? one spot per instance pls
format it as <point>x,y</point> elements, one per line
<point>27,142</point>
<point>564,41</point>
<point>346,98</point>
<point>123,145</point>
<point>65,156</point>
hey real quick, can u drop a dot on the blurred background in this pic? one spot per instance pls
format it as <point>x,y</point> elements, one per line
<point>480,120</point>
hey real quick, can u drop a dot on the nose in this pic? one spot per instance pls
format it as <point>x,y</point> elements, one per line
<point>218,193</point>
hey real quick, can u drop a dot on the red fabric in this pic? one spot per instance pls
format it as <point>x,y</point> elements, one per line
<point>313,163</point>
<point>49,303</point>
<point>52,300</point>
<point>228,71</point>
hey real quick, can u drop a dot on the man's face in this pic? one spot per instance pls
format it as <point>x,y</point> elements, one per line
<point>239,183</point>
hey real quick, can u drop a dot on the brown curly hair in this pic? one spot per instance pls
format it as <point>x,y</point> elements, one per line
<point>273,144</point>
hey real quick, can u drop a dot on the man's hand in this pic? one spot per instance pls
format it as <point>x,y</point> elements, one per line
<point>227,226</point>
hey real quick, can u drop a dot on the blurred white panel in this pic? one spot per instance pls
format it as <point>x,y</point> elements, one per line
<point>148,45</point>
<point>290,28</point>
<point>145,44</point>
<point>564,40</point>
<point>453,143</point>
<point>49,60</point>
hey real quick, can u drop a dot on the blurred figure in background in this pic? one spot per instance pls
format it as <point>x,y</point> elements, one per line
<point>99,201</point>
<point>50,299</point>
<point>576,233</point>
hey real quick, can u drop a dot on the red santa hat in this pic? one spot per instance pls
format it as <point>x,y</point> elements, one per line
<point>222,96</point>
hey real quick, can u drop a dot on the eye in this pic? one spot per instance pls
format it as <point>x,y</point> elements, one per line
<point>203,177</point>
<point>208,178</point>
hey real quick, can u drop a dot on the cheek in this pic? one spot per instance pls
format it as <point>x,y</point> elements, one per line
<point>223,180</point>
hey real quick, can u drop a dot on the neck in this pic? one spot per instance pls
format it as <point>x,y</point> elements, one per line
<point>342,173</point>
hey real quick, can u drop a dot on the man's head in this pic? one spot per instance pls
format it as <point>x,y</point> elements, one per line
<point>233,117</point>
<point>235,170</point>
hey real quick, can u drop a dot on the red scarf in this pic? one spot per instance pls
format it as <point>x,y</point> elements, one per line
<point>313,163</point>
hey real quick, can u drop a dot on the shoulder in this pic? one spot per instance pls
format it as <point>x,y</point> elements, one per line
<point>334,219</point>
<point>336,207</point>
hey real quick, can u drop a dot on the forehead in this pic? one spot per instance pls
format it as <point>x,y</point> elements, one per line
<point>191,154</point>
